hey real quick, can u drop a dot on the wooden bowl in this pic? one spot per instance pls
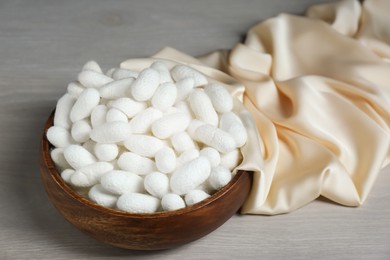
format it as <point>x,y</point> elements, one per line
<point>154,231</point>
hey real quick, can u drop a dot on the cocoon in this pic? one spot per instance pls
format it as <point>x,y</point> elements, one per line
<point>195,196</point>
<point>215,138</point>
<point>92,65</point>
<point>84,105</point>
<point>219,177</point>
<point>81,130</point>
<point>157,184</point>
<point>98,115</point>
<point>138,203</point>
<point>57,155</point>
<point>59,137</point>
<point>163,70</point>
<point>144,145</point>
<point>187,156</point>
<point>182,142</point>
<point>121,182</point>
<point>202,107</point>
<point>114,114</point>
<point>231,160</point>
<point>116,89</point>
<point>180,72</point>
<point>211,154</point>
<point>93,79</point>
<point>102,197</point>
<point>63,107</point>
<point>165,160</point>
<point>135,163</point>
<point>190,175</point>
<point>66,175</point>
<point>192,127</point>
<point>111,132</point>
<point>165,96</point>
<point>75,89</point>
<point>170,124</point>
<point>232,124</point>
<point>172,201</point>
<point>220,98</point>
<point>78,157</point>
<point>184,88</point>
<point>106,152</point>
<point>121,73</point>
<point>145,85</point>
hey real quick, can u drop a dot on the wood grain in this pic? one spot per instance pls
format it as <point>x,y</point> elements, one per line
<point>43,45</point>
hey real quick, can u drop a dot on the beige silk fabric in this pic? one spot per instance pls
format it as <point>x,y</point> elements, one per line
<point>318,87</point>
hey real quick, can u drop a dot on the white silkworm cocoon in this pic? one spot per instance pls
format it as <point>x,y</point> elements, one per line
<point>211,154</point>
<point>98,115</point>
<point>92,65</point>
<point>184,88</point>
<point>138,203</point>
<point>172,201</point>
<point>78,157</point>
<point>75,89</point>
<point>195,196</point>
<point>216,138</point>
<point>93,79</point>
<point>202,107</point>
<point>84,105</point>
<point>121,182</point>
<point>90,175</point>
<point>170,124</point>
<point>121,73</point>
<point>187,156</point>
<point>102,197</point>
<point>63,107</point>
<point>145,85</point>
<point>220,98</point>
<point>165,96</point>
<point>111,132</point>
<point>116,89</point>
<point>143,121</point>
<point>231,160</point>
<point>128,106</point>
<point>114,114</point>
<point>144,145</point>
<point>57,155</point>
<point>80,131</point>
<point>165,160</point>
<point>67,174</point>
<point>163,70</point>
<point>59,137</point>
<point>190,175</point>
<point>180,72</point>
<point>182,142</point>
<point>231,123</point>
<point>135,163</point>
<point>157,184</point>
<point>106,152</point>
<point>219,177</point>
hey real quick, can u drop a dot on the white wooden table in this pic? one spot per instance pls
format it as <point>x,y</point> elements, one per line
<point>44,43</point>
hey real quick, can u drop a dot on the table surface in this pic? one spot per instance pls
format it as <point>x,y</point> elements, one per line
<point>43,45</point>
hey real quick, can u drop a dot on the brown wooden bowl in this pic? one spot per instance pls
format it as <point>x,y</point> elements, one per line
<point>154,231</point>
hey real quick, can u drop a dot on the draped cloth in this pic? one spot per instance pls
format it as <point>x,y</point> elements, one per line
<point>318,88</point>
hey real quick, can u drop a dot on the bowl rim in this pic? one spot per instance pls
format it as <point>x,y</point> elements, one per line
<point>56,176</point>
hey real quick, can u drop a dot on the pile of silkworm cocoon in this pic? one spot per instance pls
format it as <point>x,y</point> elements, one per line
<point>145,141</point>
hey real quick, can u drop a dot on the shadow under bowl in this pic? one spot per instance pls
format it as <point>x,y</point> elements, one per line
<point>161,230</point>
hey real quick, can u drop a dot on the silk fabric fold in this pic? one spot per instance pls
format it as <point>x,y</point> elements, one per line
<point>318,89</point>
